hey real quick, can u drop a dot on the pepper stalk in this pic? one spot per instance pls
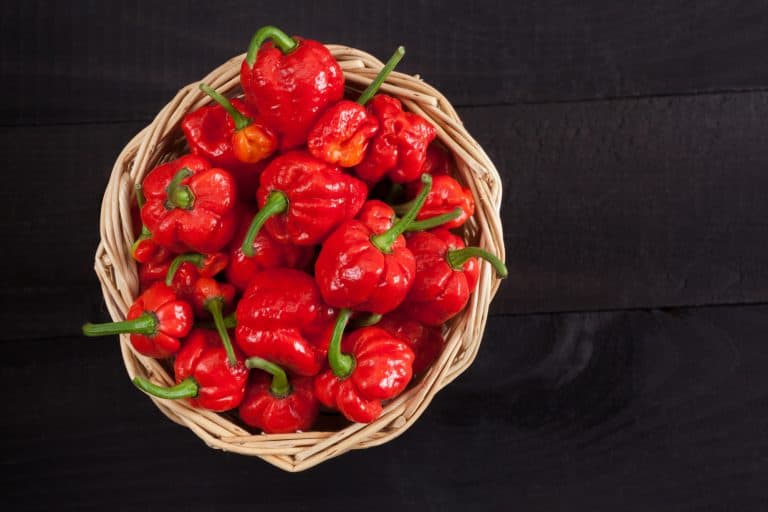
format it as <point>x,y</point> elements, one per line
<point>384,241</point>
<point>187,388</point>
<point>374,86</point>
<point>341,364</point>
<point>281,40</point>
<point>280,386</point>
<point>241,121</point>
<point>457,257</point>
<point>276,203</point>
<point>145,324</point>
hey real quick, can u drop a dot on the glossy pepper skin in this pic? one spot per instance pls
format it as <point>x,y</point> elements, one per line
<point>364,270</point>
<point>144,249</point>
<point>156,321</point>
<point>290,82</point>
<point>426,342</point>
<point>437,161</point>
<point>446,275</point>
<point>204,374</point>
<point>371,365</point>
<point>267,253</point>
<point>302,199</point>
<point>398,151</point>
<point>341,135</point>
<point>190,206</point>
<point>277,405</point>
<point>278,315</point>
<point>446,195</point>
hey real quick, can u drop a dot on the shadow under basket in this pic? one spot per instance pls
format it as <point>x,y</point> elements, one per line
<point>162,140</point>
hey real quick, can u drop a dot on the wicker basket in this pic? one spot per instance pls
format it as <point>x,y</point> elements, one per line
<point>162,140</point>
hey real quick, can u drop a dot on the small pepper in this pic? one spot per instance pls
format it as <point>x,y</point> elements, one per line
<point>156,322</point>
<point>144,249</point>
<point>278,315</point>
<point>446,275</point>
<point>204,374</point>
<point>368,271</point>
<point>340,137</point>
<point>149,273</point>
<point>267,253</point>
<point>302,199</point>
<point>447,194</point>
<point>290,82</point>
<point>190,206</point>
<point>277,405</point>
<point>373,366</point>
<point>426,342</point>
<point>398,151</point>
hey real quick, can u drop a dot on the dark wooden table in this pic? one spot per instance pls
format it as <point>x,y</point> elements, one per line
<point>625,364</point>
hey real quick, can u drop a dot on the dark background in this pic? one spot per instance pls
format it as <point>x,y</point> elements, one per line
<point>624,363</point>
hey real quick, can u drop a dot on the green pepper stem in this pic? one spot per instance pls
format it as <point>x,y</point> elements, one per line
<point>433,222</point>
<point>457,257</point>
<point>341,364</point>
<point>240,120</point>
<point>188,388</point>
<point>215,306</point>
<point>145,324</point>
<point>277,203</point>
<point>195,258</point>
<point>179,196</point>
<point>384,241</point>
<point>282,40</point>
<point>280,386</point>
<point>366,321</point>
<point>373,87</point>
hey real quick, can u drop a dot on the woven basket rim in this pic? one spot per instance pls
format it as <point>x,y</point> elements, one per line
<point>117,273</point>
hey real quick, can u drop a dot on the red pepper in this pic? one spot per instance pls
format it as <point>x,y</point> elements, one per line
<point>426,342</point>
<point>302,199</point>
<point>437,161</point>
<point>267,253</point>
<point>144,249</point>
<point>150,272</point>
<point>278,315</point>
<point>277,405</point>
<point>446,196</point>
<point>156,321</point>
<point>446,274</point>
<point>398,150</point>
<point>290,82</point>
<point>368,271</point>
<point>340,137</point>
<point>204,374</point>
<point>374,366</point>
<point>190,206</point>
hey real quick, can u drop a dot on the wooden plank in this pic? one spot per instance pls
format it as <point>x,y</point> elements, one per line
<point>101,61</point>
<point>599,411</point>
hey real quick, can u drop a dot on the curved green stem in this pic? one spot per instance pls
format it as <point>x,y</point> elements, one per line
<point>366,321</point>
<point>178,195</point>
<point>216,306</point>
<point>187,388</point>
<point>280,386</point>
<point>433,222</point>
<point>195,258</point>
<point>373,87</point>
<point>457,257</point>
<point>341,364</point>
<point>282,40</point>
<point>277,203</point>
<point>240,120</point>
<point>145,324</point>
<point>384,241</point>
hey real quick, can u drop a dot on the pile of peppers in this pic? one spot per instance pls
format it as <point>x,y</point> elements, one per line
<point>306,254</point>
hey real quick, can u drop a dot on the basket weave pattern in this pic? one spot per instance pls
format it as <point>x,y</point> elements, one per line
<point>162,140</point>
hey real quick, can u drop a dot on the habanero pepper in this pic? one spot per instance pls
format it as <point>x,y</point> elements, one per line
<point>368,366</point>
<point>144,249</point>
<point>340,136</point>
<point>366,270</point>
<point>290,82</point>
<point>278,405</point>
<point>190,206</point>
<point>446,195</point>
<point>446,275</point>
<point>302,199</point>
<point>156,322</point>
<point>204,374</point>
<point>426,342</point>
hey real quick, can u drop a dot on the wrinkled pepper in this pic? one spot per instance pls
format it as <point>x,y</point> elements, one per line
<point>446,275</point>
<point>446,195</point>
<point>278,405</point>
<point>366,270</point>
<point>426,342</point>
<point>290,81</point>
<point>144,249</point>
<point>204,374</point>
<point>369,366</point>
<point>156,322</point>
<point>341,135</point>
<point>302,199</point>
<point>190,206</point>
